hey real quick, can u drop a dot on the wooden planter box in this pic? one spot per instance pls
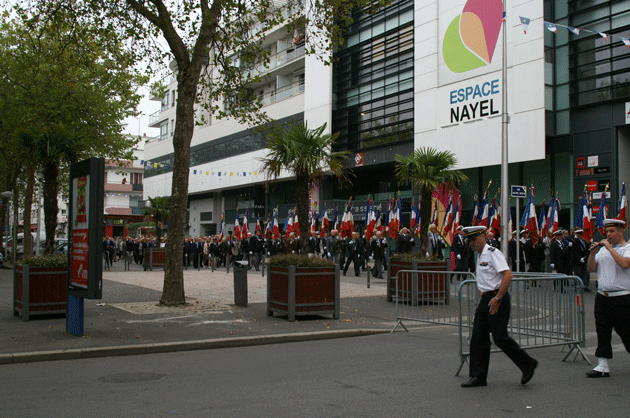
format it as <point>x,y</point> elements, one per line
<point>419,287</point>
<point>303,291</point>
<point>154,257</point>
<point>39,291</point>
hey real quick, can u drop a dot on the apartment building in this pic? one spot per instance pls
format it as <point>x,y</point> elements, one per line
<point>408,77</point>
<point>123,203</point>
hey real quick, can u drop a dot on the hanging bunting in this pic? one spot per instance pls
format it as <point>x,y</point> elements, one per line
<point>524,22</point>
<point>553,28</point>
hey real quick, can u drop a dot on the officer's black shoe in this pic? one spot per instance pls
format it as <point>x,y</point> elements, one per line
<point>529,373</point>
<point>474,382</point>
<point>596,374</point>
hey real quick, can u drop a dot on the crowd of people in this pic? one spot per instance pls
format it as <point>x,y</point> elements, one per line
<point>198,252</point>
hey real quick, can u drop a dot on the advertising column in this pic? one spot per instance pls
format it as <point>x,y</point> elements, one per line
<point>85,257</point>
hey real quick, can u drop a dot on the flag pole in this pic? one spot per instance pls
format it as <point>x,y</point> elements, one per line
<point>505,120</point>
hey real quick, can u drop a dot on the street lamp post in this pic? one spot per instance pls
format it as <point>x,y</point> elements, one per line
<point>9,195</point>
<point>505,120</point>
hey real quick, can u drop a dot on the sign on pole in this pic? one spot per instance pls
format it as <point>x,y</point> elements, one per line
<point>519,192</point>
<point>85,257</point>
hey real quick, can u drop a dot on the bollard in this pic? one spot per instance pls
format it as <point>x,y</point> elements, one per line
<point>75,315</point>
<point>240,283</point>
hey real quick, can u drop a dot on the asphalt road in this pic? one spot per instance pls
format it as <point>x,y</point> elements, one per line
<point>400,374</point>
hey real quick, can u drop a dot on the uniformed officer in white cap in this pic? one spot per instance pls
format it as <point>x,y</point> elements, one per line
<point>610,258</point>
<point>493,312</point>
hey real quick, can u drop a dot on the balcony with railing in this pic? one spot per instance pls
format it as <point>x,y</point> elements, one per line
<point>277,60</point>
<point>155,119</point>
<point>283,93</point>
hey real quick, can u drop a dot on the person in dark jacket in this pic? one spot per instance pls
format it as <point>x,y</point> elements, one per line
<point>354,248</point>
<point>559,256</point>
<point>405,241</point>
<point>378,249</point>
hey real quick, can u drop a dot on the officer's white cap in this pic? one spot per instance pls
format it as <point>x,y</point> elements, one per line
<point>615,222</point>
<point>471,232</point>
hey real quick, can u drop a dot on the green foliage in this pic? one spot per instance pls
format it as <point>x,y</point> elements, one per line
<point>50,260</point>
<point>286,260</point>
<point>427,168</point>
<point>303,152</point>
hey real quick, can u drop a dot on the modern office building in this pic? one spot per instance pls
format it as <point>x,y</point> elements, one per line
<point>430,73</point>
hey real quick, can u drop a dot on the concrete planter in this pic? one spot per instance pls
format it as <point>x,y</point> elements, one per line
<point>294,291</point>
<point>417,287</point>
<point>154,257</point>
<point>39,291</point>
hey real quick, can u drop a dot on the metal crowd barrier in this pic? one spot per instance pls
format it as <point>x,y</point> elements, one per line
<point>425,296</point>
<point>547,310</point>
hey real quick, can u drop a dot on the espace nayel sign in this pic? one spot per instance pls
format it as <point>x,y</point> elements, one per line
<point>467,89</point>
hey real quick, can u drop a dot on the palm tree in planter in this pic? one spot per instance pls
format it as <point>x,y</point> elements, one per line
<point>308,154</point>
<point>158,209</point>
<point>54,149</point>
<point>426,168</point>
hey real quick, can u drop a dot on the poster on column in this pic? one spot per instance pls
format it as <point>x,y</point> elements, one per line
<point>80,233</point>
<point>463,95</point>
<point>86,229</point>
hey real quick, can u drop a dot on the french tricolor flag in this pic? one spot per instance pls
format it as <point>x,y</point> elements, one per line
<point>622,213</point>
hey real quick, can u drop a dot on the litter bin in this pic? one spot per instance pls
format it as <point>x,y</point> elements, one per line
<point>240,283</point>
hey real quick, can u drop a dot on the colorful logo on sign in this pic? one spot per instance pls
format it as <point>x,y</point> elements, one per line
<point>471,38</point>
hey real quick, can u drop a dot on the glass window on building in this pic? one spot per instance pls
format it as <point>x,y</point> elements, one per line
<point>165,101</point>
<point>164,130</point>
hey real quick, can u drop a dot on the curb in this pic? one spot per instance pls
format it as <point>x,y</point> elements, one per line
<point>170,347</point>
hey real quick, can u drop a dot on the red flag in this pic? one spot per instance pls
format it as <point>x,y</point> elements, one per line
<point>237,229</point>
<point>325,221</point>
<point>244,229</point>
<point>448,216</point>
<point>268,230</point>
<point>296,224</point>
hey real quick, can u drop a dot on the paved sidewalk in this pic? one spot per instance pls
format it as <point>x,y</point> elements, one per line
<point>127,319</point>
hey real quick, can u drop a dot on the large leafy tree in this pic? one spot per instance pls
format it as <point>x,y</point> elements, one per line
<point>205,38</point>
<point>427,168</point>
<point>158,209</point>
<point>58,72</point>
<point>307,154</point>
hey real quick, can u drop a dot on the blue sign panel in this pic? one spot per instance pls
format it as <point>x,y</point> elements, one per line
<point>519,191</point>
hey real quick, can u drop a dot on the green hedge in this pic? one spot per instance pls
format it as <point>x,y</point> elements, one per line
<point>286,260</point>
<point>51,260</point>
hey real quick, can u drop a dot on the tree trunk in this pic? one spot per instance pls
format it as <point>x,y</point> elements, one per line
<point>173,290</point>
<point>425,219</point>
<point>302,203</point>
<point>28,203</point>
<point>51,209</point>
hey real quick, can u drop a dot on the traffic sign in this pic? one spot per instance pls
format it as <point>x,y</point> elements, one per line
<point>519,191</point>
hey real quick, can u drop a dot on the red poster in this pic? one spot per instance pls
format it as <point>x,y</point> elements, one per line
<point>80,238</point>
<point>81,199</point>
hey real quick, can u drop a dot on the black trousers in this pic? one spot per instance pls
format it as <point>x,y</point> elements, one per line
<point>354,259</point>
<point>483,325</point>
<point>611,312</point>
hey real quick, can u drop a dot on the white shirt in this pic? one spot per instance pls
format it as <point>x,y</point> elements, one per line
<point>490,267</point>
<point>611,277</point>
